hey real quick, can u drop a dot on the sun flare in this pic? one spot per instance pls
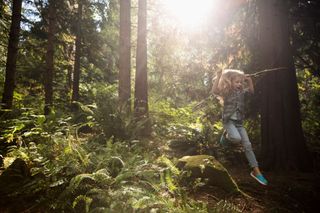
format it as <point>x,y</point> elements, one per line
<point>190,14</point>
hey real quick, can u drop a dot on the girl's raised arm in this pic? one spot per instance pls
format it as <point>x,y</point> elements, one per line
<point>215,83</point>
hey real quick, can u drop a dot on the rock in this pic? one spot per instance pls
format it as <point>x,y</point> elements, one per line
<point>207,167</point>
<point>14,177</point>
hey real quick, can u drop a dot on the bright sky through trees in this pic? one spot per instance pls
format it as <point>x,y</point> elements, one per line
<point>190,14</point>
<point>32,14</point>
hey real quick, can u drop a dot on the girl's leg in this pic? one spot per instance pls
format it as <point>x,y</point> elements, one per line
<point>256,174</point>
<point>232,132</point>
<point>248,147</point>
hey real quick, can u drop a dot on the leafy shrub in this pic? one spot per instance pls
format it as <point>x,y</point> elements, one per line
<point>113,117</point>
<point>309,90</point>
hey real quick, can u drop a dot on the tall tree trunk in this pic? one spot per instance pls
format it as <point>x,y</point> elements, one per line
<point>125,54</point>
<point>69,56</point>
<point>141,82</point>
<point>283,143</point>
<point>1,9</point>
<point>9,84</point>
<point>48,78</point>
<point>76,73</point>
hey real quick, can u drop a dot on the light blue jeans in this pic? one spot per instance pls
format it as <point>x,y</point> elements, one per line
<point>237,133</point>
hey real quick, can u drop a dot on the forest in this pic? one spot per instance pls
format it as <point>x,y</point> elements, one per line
<point>108,105</point>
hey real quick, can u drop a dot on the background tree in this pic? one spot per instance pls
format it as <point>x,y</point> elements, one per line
<point>9,85</point>
<point>125,53</point>
<point>141,81</point>
<point>50,57</point>
<point>283,143</point>
<point>5,17</point>
<point>305,16</point>
<point>77,60</point>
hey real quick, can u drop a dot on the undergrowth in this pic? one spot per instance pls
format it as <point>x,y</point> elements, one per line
<point>79,167</point>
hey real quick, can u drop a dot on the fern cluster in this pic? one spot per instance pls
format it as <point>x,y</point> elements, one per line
<point>79,164</point>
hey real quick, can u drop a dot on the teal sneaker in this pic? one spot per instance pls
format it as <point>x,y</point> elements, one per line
<point>223,139</point>
<point>259,178</point>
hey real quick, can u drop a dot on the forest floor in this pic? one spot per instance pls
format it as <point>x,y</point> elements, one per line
<point>286,192</point>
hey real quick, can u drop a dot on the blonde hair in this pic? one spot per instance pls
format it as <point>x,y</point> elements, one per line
<point>227,76</point>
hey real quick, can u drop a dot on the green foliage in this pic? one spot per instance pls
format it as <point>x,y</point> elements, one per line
<point>112,117</point>
<point>96,173</point>
<point>84,199</point>
<point>29,127</point>
<point>309,90</point>
<point>171,120</point>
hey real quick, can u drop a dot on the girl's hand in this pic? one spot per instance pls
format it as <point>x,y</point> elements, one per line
<point>248,81</point>
<point>247,78</point>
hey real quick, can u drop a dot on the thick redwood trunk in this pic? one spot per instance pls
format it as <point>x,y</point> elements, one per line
<point>125,54</point>
<point>48,78</point>
<point>141,82</point>
<point>9,84</point>
<point>76,72</point>
<point>283,142</point>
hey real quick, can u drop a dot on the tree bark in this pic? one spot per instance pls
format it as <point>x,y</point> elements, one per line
<point>283,142</point>
<point>9,84</point>
<point>141,82</point>
<point>69,56</point>
<point>76,73</point>
<point>48,78</point>
<point>1,9</point>
<point>125,54</point>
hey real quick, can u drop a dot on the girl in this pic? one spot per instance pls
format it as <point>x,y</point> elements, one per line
<point>231,85</point>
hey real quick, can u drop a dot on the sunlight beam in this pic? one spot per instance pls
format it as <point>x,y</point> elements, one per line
<point>190,14</point>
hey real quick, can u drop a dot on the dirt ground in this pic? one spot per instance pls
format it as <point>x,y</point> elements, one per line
<point>287,192</point>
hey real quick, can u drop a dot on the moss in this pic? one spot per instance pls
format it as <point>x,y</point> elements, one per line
<point>207,167</point>
<point>206,160</point>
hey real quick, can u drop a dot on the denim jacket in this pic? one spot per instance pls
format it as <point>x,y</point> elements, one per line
<point>233,103</point>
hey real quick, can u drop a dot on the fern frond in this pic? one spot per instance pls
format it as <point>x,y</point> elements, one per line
<point>75,182</point>
<point>85,199</point>
<point>100,177</point>
<point>169,164</point>
<point>169,181</point>
<point>124,176</point>
<point>143,202</point>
